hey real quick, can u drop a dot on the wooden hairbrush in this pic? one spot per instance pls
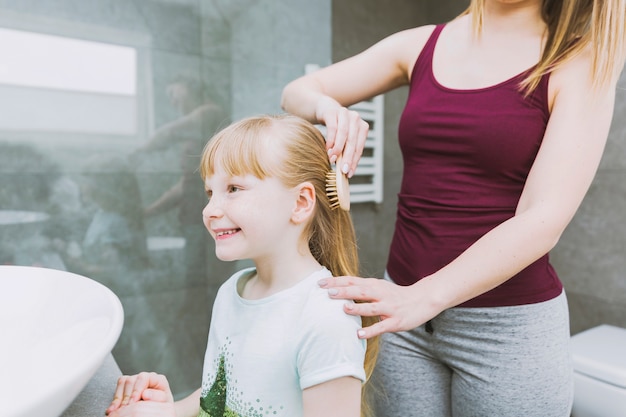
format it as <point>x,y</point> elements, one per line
<point>337,188</point>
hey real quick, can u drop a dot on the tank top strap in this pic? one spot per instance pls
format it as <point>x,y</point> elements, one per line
<point>432,40</point>
<point>423,64</point>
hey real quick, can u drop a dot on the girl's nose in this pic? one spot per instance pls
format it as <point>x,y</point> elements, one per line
<point>212,209</point>
<point>209,213</point>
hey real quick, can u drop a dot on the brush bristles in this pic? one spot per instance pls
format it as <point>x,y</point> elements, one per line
<point>331,189</point>
<point>337,190</point>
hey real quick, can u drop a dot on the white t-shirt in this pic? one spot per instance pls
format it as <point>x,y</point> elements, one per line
<point>262,353</point>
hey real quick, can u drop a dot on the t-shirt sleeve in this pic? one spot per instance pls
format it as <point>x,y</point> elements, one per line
<point>329,347</point>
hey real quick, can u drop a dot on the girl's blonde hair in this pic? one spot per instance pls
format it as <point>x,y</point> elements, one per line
<point>293,150</point>
<point>573,25</point>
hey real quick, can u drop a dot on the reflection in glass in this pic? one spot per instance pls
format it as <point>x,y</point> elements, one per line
<point>105,107</point>
<point>93,80</point>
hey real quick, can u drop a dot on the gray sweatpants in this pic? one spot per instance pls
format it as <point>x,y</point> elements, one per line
<point>478,362</point>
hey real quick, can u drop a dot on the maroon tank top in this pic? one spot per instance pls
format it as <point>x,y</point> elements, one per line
<point>466,156</point>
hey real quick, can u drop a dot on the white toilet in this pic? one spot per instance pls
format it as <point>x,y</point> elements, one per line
<point>599,356</point>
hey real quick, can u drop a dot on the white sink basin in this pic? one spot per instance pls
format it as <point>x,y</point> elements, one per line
<point>56,328</point>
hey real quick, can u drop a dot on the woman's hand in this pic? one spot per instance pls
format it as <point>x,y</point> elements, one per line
<point>346,133</point>
<point>399,308</point>
<point>146,387</point>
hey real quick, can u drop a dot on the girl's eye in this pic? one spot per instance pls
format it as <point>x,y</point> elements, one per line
<point>209,193</point>
<point>233,189</point>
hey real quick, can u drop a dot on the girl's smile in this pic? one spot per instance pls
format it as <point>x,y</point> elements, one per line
<point>224,233</point>
<point>245,213</point>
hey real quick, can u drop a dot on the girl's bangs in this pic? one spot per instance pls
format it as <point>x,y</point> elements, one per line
<point>237,153</point>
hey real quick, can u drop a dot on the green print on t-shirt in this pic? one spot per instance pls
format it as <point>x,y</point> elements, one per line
<point>213,403</point>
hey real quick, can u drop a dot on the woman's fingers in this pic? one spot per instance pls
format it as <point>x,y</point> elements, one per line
<point>387,322</point>
<point>399,308</point>
<point>354,145</point>
<point>346,134</point>
<point>375,329</point>
<point>352,288</point>
<point>331,123</point>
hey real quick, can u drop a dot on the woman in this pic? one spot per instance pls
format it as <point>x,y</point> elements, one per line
<point>507,117</point>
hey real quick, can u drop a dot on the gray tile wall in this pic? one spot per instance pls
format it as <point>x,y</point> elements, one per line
<point>271,44</point>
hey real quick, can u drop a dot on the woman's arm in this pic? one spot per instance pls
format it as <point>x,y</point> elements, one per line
<point>167,201</point>
<point>560,177</point>
<point>200,122</point>
<point>323,96</point>
<point>339,397</point>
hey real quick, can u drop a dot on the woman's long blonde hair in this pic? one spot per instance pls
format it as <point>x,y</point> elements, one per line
<point>573,25</point>
<point>293,150</point>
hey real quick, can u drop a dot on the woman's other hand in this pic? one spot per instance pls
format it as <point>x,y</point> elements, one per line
<point>399,308</point>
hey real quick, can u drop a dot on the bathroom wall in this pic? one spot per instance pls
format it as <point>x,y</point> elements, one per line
<point>590,257</point>
<point>272,41</point>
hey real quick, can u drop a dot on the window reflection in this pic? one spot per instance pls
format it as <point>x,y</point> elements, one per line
<point>54,83</point>
<point>70,64</point>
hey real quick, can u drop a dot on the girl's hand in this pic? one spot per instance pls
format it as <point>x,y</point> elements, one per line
<point>146,409</point>
<point>146,386</point>
<point>399,308</point>
<point>346,133</point>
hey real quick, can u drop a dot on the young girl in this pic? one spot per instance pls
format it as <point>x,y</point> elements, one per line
<point>277,344</point>
<point>508,112</point>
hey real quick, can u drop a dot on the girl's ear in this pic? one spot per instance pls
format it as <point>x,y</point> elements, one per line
<point>305,203</point>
